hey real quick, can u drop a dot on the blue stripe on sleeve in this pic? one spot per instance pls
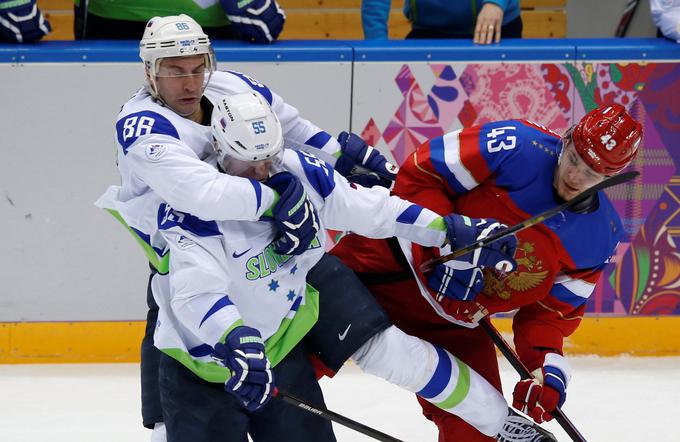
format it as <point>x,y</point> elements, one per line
<point>318,140</point>
<point>258,193</point>
<point>410,215</point>
<point>563,294</point>
<point>220,304</point>
<point>201,350</point>
<point>169,217</point>
<point>439,163</point>
<point>440,378</point>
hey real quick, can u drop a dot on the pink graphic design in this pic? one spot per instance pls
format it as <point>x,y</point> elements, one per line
<point>414,122</point>
<point>505,91</point>
<point>447,97</point>
<point>371,133</point>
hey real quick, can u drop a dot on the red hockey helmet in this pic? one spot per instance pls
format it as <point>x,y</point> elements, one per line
<point>607,139</point>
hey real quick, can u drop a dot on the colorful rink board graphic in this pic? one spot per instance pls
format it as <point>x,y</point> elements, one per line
<point>88,305</point>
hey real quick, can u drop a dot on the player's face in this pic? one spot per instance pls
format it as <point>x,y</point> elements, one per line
<point>256,170</point>
<point>180,82</point>
<point>573,175</point>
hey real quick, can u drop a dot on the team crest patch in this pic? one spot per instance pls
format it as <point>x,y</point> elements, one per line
<point>529,274</point>
<point>154,152</point>
<point>184,242</point>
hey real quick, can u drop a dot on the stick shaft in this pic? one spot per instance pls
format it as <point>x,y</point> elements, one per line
<point>524,373</point>
<point>611,181</point>
<point>335,417</point>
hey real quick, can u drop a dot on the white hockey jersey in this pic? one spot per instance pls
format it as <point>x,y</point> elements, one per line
<point>163,152</point>
<point>225,273</point>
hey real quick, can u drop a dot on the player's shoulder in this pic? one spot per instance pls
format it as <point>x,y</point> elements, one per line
<point>314,173</point>
<point>142,115</point>
<point>234,82</point>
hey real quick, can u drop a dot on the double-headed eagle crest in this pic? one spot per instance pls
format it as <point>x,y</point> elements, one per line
<point>529,274</point>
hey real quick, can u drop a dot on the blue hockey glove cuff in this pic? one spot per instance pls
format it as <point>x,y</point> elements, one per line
<point>257,21</point>
<point>462,231</point>
<point>22,22</point>
<point>355,152</point>
<point>252,378</point>
<point>459,284</point>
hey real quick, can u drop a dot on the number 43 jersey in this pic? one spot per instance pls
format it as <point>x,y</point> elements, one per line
<point>505,170</point>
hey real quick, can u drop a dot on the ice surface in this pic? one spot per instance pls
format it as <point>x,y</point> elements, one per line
<point>610,399</point>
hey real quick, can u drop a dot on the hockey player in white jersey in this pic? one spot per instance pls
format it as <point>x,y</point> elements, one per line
<point>229,298</point>
<point>163,137</point>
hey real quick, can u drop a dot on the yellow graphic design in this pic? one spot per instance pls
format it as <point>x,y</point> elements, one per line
<point>529,274</point>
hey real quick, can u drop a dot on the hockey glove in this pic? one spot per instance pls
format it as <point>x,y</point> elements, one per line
<point>462,231</point>
<point>257,21</point>
<point>355,152</point>
<point>294,215</point>
<point>251,374</point>
<point>540,396</point>
<point>22,22</point>
<point>456,280</point>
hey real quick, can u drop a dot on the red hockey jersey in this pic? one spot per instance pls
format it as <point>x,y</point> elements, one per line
<point>504,170</point>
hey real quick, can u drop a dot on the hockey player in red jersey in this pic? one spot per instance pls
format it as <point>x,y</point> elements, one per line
<point>509,171</point>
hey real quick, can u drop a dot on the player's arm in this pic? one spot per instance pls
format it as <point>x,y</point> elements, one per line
<point>154,154</point>
<point>539,330</point>
<point>200,301</point>
<point>371,212</point>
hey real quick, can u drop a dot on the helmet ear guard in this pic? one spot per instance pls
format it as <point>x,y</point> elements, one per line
<point>607,139</point>
<point>245,128</point>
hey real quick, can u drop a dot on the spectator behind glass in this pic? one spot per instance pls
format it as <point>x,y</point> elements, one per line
<point>256,21</point>
<point>666,15</point>
<point>484,21</point>
<point>22,22</point>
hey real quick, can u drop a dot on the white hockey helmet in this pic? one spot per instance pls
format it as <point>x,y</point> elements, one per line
<point>246,130</point>
<point>173,36</point>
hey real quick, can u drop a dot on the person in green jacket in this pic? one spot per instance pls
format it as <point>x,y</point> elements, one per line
<point>257,21</point>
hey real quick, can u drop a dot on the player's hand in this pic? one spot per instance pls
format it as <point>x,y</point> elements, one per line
<point>355,152</point>
<point>294,215</point>
<point>456,280</point>
<point>462,231</point>
<point>22,23</point>
<point>257,21</point>
<point>488,25</point>
<point>251,378</point>
<point>540,396</point>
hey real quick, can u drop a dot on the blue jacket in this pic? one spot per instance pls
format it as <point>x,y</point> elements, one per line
<point>455,16</point>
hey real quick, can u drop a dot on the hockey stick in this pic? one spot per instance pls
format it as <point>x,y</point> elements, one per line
<point>524,373</point>
<point>335,417</point>
<point>609,182</point>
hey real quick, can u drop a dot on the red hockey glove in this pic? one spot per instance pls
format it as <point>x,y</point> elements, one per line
<point>540,396</point>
